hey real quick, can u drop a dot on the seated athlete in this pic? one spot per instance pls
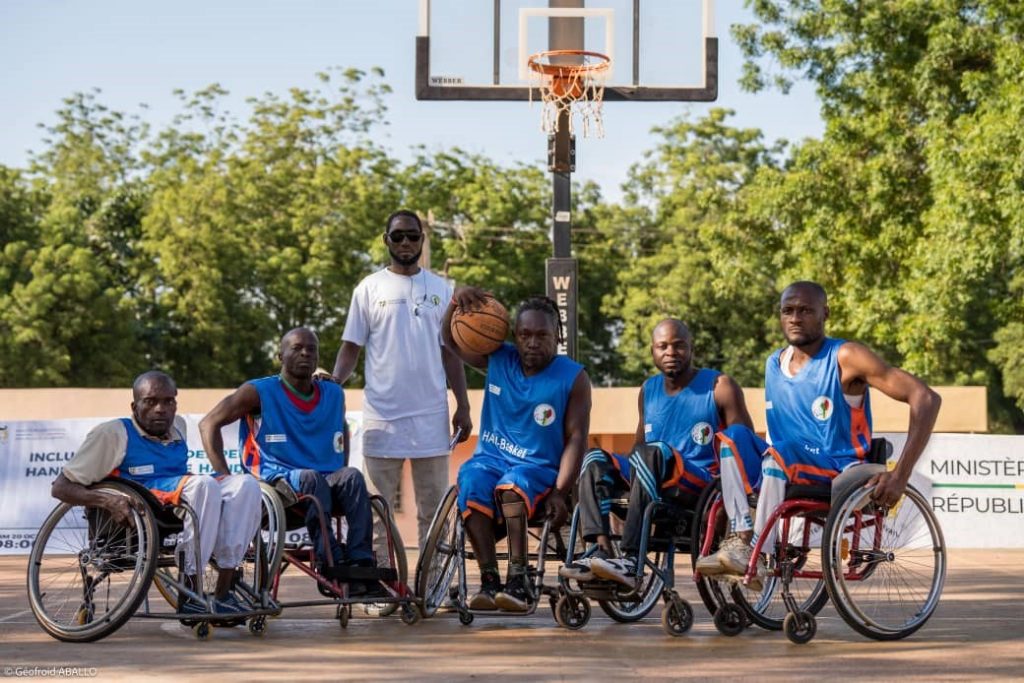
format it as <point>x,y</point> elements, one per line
<point>681,409</point>
<point>533,429</point>
<point>819,424</point>
<point>293,429</point>
<point>149,448</point>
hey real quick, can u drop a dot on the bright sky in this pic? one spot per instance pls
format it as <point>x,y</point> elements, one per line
<point>138,52</point>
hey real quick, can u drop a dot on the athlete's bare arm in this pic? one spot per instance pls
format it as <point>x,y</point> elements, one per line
<point>858,363</point>
<point>641,433</point>
<point>244,401</point>
<point>577,429</point>
<point>732,407</point>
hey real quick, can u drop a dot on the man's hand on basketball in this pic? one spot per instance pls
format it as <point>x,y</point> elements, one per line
<point>889,486</point>
<point>558,508</point>
<point>469,298</point>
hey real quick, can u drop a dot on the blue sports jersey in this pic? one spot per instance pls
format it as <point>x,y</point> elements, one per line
<point>523,418</point>
<point>687,421</point>
<point>809,411</point>
<point>284,437</point>
<point>160,467</point>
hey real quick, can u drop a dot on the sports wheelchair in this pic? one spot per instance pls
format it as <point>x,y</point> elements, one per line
<point>441,579</point>
<point>883,568</point>
<point>88,575</point>
<point>668,528</point>
<point>284,511</point>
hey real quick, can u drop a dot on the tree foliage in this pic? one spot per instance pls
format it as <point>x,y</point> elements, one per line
<point>193,247</point>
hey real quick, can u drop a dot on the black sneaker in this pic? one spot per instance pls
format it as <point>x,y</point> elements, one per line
<point>515,597</point>
<point>489,588</point>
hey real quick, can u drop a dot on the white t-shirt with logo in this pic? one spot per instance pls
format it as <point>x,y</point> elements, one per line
<point>397,320</point>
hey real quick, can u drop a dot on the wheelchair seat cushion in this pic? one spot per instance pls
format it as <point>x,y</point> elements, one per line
<point>854,477</point>
<point>811,491</point>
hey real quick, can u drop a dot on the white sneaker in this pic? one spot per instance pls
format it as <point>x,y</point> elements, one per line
<point>580,570</point>
<point>734,555</point>
<point>621,570</point>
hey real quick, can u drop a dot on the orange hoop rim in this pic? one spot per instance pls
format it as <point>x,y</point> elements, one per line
<point>568,70</point>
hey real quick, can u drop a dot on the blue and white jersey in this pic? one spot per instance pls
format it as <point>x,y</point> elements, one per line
<point>162,467</point>
<point>810,413</point>
<point>686,421</point>
<point>292,434</point>
<point>523,418</point>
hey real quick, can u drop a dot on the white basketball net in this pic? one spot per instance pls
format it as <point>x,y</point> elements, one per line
<point>576,89</point>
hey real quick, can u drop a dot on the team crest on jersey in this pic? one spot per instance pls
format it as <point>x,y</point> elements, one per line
<point>822,407</point>
<point>701,433</point>
<point>544,414</point>
<point>339,442</point>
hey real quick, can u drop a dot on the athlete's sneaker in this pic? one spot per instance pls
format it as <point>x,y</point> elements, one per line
<point>484,599</point>
<point>514,597</point>
<point>580,570</point>
<point>621,570</point>
<point>734,557</point>
<point>228,606</point>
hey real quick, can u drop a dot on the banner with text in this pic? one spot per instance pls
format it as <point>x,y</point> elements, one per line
<point>32,454</point>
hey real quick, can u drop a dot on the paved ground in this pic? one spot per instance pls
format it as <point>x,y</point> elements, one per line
<point>977,633</point>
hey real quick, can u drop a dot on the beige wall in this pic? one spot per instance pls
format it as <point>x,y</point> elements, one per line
<point>612,420</point>
<point>614,412</point>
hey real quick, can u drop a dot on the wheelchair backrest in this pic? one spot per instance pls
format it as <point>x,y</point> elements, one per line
<point>880,451</point>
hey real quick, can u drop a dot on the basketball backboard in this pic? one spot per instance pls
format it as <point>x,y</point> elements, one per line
<point>661,50</point>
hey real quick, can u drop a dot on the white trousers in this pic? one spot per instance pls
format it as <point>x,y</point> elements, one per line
<point>229,515</point>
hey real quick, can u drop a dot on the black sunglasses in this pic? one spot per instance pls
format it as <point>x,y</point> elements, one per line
<point>399,237</point>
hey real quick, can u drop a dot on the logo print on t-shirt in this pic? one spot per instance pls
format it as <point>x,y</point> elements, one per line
<point>339,442</point>
<point>701,433</point>
<point>544,414</point>
<point>822,408</point>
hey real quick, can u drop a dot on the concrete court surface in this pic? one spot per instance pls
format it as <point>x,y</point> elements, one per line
<point>977,633</point>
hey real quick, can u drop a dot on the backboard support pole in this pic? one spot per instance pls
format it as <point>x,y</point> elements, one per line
<point>564,33</point>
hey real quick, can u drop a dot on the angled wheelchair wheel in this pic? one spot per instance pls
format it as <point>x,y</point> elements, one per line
<point>88,575</point>
<point>885,568</point>
<point>272,528</point>
<point>630,610</point>
<point>391,555</point>
<point>439,561</point>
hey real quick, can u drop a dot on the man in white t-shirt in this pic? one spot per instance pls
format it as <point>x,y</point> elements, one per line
<point>396,315</point>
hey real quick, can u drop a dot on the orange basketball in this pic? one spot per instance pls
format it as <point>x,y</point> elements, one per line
<point>482,330</point>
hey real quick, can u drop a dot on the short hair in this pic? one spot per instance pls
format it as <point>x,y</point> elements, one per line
<point>403,213</point>
<point>296,330</point>
<point>547,306</point>
<point>680,326</point>
<point>152,376</point>
<point>808,284</point>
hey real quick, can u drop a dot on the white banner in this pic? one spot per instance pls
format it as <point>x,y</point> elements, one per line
<point>32,454</point>
<point>975,484</point>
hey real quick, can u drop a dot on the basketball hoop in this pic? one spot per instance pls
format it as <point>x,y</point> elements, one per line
<point>568,87</point>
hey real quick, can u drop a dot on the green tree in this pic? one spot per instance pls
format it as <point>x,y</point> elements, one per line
<point>694,248</point>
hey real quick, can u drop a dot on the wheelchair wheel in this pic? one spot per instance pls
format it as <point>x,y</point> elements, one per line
<point>88,575</point>
<point>392,557</point>
<point>439,560</point>
<point>625,611</point>
<point>885,568</point>
<point>272,528</point>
